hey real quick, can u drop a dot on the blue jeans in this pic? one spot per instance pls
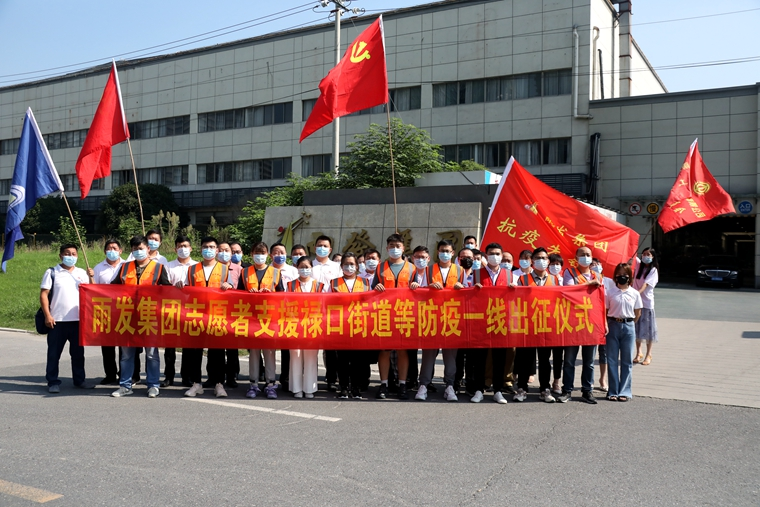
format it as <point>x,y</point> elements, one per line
<point>621,343</point>
<point>587,373</point>
<point>152,366</point>
<point>56,340</point>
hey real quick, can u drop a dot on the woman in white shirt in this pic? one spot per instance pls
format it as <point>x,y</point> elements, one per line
<point>623,309</point>
<point>646,327</point>
<point>303,363</point>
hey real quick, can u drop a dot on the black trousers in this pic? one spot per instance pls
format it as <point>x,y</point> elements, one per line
<point>170,358</point>
<point>351,366</point>
<point>194,360</point>
<point>464,367</point>
<point>558,361</point>
<point>331,366</point>
<point>476,358</point>
<point>233,364</point>
<point>525,364</point>
<point>285,367</point>
<point>414,366</point>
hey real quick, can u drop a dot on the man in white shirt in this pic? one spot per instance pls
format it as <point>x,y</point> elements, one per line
<point>279,261</point>
<point>177,272</point>
<point>371,262</point>
<point>103,273</point>
<point>61,310</point>
<point>323,270</point>
<point>154,243</point>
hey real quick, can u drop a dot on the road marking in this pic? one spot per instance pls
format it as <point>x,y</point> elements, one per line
<point>302,415</point>
<point>27,493</point>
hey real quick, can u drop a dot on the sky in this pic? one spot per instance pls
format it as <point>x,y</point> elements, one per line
<point>44,38</point>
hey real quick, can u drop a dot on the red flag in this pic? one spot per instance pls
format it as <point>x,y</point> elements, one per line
<point>109,127</point>
<point>695,197</point>
<point>359,81</point>
<point>527,213</point>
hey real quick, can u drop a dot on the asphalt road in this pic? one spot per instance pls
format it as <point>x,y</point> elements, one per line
<point>95,450</point>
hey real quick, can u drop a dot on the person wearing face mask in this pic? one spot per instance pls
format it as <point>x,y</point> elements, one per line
<point>351,363</point>
<point>647,276</point>
<point>465,258</point>
<point>362,266</point>
<point>525,358</point>
<point>59,299</point>
<point>177,272</point>
<point>154,243</point>
<point>507,263</point>
<point>230,363</point>
<point>237,255</point>
<point>323,271</point>
<point>261,278</point>
<point>556,262</point>
<point>102,273</point>
<point>288,274</point>
<point>525,263</point>
<point>581,275</point>
<point>492,275</point>
<point>141,271</point>
<point>623,310</point>
<point>607,283</point>
<point>391,274</point>
<point>477,259</point>
<point>470,242</point>
<point>371,262</point>
<point>303,363</point>
<point>443,275</point>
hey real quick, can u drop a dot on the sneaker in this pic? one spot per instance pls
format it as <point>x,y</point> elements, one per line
<point>343,394</point>
<point>564,397</point>
<point>54,389</point>
<point>136,381</point>
<point>86,385</point>
<point>421,394</point>
<point>299,394</point>
<point>252,391</point>
<point>219,391</point>
<point>450,394</point>
<point>477,397</point>
<point>194,391</point>
<point>499,398</point>
<point>382,392</point>
<point>588,397</point>
<point>546,396</point>
<point>508,388</point>
<point>121,392</point>
<point>520,395</point>
<point>402,393</point>
<point>153,392</point>
<point>556,391</point>
<point>271,392</point>
<point>356,394</point>
<point>457,387</point>
<point>308,395</point>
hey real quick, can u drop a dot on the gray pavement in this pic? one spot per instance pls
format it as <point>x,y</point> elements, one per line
<point>655,450</point>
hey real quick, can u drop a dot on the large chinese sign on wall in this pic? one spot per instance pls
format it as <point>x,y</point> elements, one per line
<point>198,317</point>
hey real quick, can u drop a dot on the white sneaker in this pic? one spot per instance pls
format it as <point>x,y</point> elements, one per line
<point>219,391</point>
<point>520,395</point>
<point>153,392</point>
<point>477,398</point>
<point>309,395</point>
<point>546,395</point>
<point>499,398</point>
<point>299,394</point>
<point>449,394</point>
<point>194,391</point>
<point>421,393</point>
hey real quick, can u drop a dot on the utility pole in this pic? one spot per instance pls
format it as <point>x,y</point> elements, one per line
<point>340,8</point>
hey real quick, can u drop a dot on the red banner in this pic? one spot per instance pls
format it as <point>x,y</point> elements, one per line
<point>196,317</point>
<point>527,213</point>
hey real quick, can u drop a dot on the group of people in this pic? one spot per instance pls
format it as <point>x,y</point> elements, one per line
<point>629,296</point>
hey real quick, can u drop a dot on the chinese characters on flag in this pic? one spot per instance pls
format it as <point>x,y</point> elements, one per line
<point>695,197</point>
<point>197,317</point>
<point>527,213</point>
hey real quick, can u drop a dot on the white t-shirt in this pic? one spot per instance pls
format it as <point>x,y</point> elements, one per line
<point>306,286</point>
<point>178,272</point>
<point>350,283</point>
<point>651,280</point>
<point>367,275</point>
<point>158,258</point>
<point>64,306</point>
<point>323,273</point>
<point>105,273</point>
<point>622,303</point>
<point>288,273</point>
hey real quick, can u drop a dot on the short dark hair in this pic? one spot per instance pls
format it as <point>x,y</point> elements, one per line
<point>465,250</point>
<point>538,251</point>
<point>370,251</point>
<point>491,246</point>
<point>209,239</point>
<point>323,238</point>
<point>181,239</point>
<point>395,238</point>
<point>303,258</point>
<point>154,231</point>
<point>298,247</point>
<point>346,256</point>
<point>444,242</point>
<point>137,241</point>
<point>260,246</point>
<point>338,254</point>
<point>475,251</point>
<point>66,246</point>
<point>421,248</point>
<point>235,242</point>
<point>596,260</point>
<point>278,243</point>
<point>109,242</point>
<point>469,237</point>
<point>556,258</point>
<point>524,253</point>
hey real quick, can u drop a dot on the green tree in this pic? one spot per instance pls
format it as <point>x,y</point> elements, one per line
<point>43,218</point>
<point>66,233</point>
<point>127,229</point>
<point>368,163</point>
<point>122,203</point>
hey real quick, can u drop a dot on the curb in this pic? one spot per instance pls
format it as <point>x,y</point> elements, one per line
<point>12,330</point>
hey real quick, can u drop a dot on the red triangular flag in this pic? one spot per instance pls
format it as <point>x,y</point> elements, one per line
<point>109,127</point>
<point>527,213</point>
<point>696,195</point>
<point>359,81</point>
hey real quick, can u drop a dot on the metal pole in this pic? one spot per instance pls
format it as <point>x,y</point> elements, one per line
<point>137,188</point>
<point>336,121</point>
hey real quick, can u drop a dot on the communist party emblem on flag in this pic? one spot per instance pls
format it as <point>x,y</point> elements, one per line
<point>527,213</point>
<point>695,197</point>
<point>359,81</point>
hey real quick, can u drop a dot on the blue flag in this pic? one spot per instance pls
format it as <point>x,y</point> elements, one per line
<point>34,177</point>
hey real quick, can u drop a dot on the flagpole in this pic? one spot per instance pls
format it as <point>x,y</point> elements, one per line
<point>137,187</point>
<point>393,170</point>
<point>641,240</point>
<point>76,228</point>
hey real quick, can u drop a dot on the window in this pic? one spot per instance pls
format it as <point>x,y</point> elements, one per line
<point>406,99</point>
<point>471,92</point>
<point>526,86</point>
<point>165,127</point>
<point>249,170</point>
<point>558,82</point>
<point>307,106</point>
<point>9,146</point>
<point>527,152</point>
<point>5,187</point>
<point>169,176</point>
<point>556,151</point>
<point>313,165</point>
<point>498,88</point>
<point>445,94</point>
<point>246,117</point>
<point>487,154</point>
<point>71,183</point>
<point>61,140</point>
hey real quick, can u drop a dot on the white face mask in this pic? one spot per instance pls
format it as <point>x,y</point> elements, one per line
<point>494,260</point>
<point>555,269</point>
<point>371,264</point>
<point>584,260</point>
<point>183,252</point>
<point>305,272</point>
<point>260,259</point>
<point>420,263</point>
<point>597,269</point>
<point>395,253</point>
<point>541,264</point>
<point>349,269</point>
